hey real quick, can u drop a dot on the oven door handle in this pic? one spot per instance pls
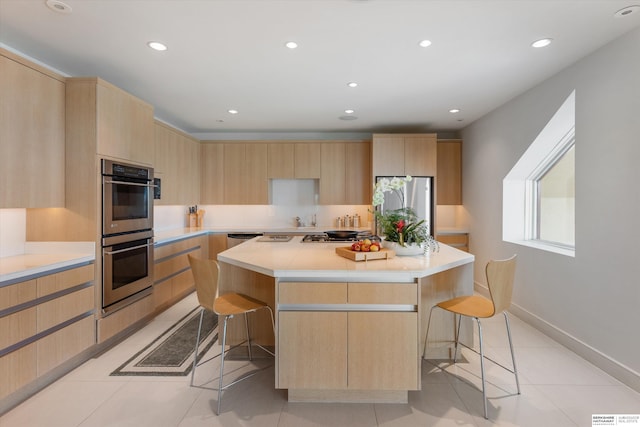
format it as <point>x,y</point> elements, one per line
<point>130,183</point>
<point>126,249</point>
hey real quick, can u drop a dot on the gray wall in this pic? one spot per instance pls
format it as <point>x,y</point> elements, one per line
<point>591,302</point>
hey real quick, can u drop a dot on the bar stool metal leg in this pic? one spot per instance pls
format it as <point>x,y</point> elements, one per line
<point>513,357</point>
<point>246,324</point>
<point>195,352</point>
<point>224,339</point>
<point>484,389</point>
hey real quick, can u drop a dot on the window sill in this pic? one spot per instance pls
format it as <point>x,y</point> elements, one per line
<point>545,247</point>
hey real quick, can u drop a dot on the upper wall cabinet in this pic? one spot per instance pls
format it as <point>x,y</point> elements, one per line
<point>404,154</point>
<point>123,123</point>
<point>177,164</point>
<point>449,181</point>
<point>345,174</point>
<point>212,173</point>
<point>32,135</point>
<point>245,174</point>
<point>293,160</point>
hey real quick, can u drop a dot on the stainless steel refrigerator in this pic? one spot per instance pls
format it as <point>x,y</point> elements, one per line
<point>418,195</point>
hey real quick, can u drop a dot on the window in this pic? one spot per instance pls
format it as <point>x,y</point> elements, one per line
<point>553,200</point>
<point>538,208</point>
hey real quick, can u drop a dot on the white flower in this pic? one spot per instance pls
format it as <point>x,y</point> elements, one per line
<point>384,185</point>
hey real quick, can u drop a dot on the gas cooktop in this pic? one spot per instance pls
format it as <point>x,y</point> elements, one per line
<point>324,238</point>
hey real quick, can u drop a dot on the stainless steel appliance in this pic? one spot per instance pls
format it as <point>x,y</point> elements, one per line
<point>127,266</point>
<point>418,195</point>
<point>234,239</point>
<point>334,237</point>
<point>127,197</point>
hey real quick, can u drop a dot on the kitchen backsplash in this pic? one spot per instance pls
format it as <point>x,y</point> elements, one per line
<point>13,221</point>
<point>13,228</point>
<point>273,216</point>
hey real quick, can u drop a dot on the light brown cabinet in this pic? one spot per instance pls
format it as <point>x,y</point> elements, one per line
<point>457,240</point>
<point>333,173</point>
<point>177,164</point>
<point>404,154</point>
<point>346,348</point>
<point>345,174</point>
<point>115,123</point>
<point>32,135</point>
<point>293,160</point>
<point>281,158</point>
<point>49,320</point>
<point>306,163</point>
<point>212,173</point>
<point>172,278</point>
<point>101,120</point>
<point>449,182</point>
<point>245,174</point>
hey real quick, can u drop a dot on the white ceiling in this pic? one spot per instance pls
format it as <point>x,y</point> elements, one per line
<point>230,54</point>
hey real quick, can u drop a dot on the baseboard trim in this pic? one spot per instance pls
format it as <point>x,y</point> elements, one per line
<point>612,367</point>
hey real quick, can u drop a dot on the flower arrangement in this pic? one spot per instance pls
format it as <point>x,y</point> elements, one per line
<point>402,225</point>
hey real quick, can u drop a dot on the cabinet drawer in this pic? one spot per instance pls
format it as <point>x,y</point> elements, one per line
<point>64,280</point>
<point>383,293</point>
<point>312,293</point>
<point>19,293</point>
<point>17,327</point>
<point>59,310</point>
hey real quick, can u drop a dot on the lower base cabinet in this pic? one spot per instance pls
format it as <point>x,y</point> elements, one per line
<point>312,350</point>
<point>45,322</point>
<point>344,346</point>
<point>457,240</point>
<point>172,274</point>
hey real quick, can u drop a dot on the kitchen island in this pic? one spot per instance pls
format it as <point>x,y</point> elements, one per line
<point>345,330</point>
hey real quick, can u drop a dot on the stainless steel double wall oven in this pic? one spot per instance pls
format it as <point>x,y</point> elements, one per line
<point>127,233</point>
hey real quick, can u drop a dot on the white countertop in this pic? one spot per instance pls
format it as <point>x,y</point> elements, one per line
<point>298,260</point>
<point>23,267</point>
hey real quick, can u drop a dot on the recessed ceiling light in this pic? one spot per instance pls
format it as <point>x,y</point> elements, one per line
<point>349,111</point>
<point>58,6</point>
<point>454,110</point>
<point>233,111</point>
<point>157,46</point>
<point>541,43</point>
<point>626,11</point>
<point>352,84</point>
<point>291,45</point>
<point>425,43</point>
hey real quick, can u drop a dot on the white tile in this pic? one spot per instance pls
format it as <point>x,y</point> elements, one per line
<point>328,414</point>
<point>580,402</point>
<point>435,404</point>
<point>145,404</point>
<point>64,404</point>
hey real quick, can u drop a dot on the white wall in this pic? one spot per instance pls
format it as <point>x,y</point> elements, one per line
<point>590,302</point>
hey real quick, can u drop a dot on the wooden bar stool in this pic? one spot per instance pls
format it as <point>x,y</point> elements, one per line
<point>500,275</point>
<point>206,273</point>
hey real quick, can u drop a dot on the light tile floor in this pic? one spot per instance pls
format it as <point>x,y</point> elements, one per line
<point>558,389</point>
